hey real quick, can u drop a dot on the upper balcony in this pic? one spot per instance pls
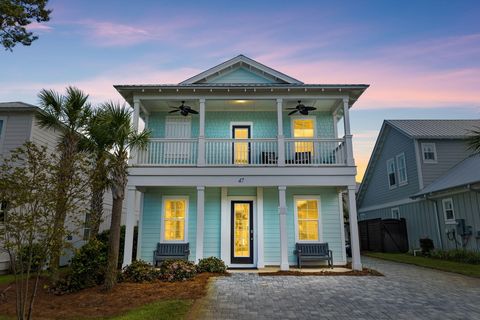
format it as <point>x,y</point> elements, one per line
<point>245,132</point>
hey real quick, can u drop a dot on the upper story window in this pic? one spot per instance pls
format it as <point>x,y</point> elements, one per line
<point>448,211</point>
<point>392,179</point>
<point>303,128</point>
<point>396,213</point>
<point>3,211</point>
<point>175,212</point>
<point>307,215</point>
<point>402,169</point>
<point>429,153</point>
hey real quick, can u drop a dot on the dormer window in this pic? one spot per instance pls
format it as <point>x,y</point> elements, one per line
<point>429,153</point>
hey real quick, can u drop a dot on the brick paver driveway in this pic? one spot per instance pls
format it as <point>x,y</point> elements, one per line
<point>406,292</point>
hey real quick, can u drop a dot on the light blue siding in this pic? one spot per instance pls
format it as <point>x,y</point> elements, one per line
<point>217,124</point>
<point>329,217</point>
<point>240,75</point>
<point>211,243</point>
<point>271,223</point>
<point>152,216</point>
<point>378,190</point>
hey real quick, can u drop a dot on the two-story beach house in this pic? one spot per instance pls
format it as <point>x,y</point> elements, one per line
<point>424,172</point>
<point>243,163</point>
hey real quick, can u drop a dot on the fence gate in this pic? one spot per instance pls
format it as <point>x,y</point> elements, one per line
<point>387,235</point>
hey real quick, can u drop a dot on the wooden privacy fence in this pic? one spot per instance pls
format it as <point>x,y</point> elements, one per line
<point>387,235</point>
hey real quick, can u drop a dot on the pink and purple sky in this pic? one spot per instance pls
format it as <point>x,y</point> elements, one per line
<point>421,58</point>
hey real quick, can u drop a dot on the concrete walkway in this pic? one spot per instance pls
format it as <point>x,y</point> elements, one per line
<point>406,292</point>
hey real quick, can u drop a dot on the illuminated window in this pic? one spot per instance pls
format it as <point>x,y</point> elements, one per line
<point>174,219</point>
<point>308,223</point>
<point>303,129</point>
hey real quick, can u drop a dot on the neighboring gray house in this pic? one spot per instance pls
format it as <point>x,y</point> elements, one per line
<point>422,170</point>
<point>18,124</point>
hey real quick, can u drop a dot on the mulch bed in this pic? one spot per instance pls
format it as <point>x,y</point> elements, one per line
<point>364,272</point>
<point>94,302</point>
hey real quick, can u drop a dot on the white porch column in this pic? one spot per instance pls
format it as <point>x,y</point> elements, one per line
<point>280,137</point>
<point>135,120</point>
<point>200,222</point>
<point>129,225</point>
<point>201,135</point>
<point>348,134</point>
<point>260,238</point>
<point>282,210</point>
<point>354,238</point>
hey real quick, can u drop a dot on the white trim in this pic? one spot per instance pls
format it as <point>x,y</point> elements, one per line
<point>397,209</point>
<point>224,240</point>
<point>162,229</point>
<point>3,132</point>
<point>429,144</point>
<point>260,228</point>
<point>199,251</point>
<point>295,214</point>
<point>342,230</point>
<point>227,231</point>
<point>401,183</point>
<point>419,164</point>
<point>448,221</point>
<point>391,186</point>
<point>388,204</point>
<point>241,123</point>
<point>140,227</point>
<point>302,117</point>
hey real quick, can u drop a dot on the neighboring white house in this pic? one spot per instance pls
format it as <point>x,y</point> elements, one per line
<point>259,166</point>
<point>18,124</point>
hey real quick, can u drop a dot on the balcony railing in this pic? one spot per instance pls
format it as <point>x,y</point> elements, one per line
<point>244,152</point>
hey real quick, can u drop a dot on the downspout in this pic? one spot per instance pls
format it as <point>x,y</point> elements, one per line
<point>437,220</point>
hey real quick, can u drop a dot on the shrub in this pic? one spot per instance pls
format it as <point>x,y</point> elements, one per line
<point>177,270</point>
<point>88,266</point>
<point>458,255</point>
<point>103,237</point>
<point>212,264</point>
<point>140,271</point>
<point>427,245</point>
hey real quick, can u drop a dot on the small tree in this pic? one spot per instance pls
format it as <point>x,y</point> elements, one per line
<point>15,15</point>
<point>26,181</point>
<point>474,140</point>
<point>117,120</point>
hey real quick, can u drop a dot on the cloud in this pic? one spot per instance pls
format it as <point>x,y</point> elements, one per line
<point>35,26</point>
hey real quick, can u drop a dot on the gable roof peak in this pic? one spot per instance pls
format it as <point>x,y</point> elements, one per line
<point>241,61</point>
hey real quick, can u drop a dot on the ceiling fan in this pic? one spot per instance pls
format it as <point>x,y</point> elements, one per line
<point>303,109</point>
<point>184,110</point>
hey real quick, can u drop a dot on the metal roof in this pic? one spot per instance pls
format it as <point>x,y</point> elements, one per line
<point>436,129</point>
<point>464,173</point>
<point>244,85</point>
<point>17,106</point>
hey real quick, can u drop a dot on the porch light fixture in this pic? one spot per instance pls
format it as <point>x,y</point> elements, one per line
<point>240,101</point>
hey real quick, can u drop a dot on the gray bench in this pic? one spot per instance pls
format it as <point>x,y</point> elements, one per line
<point>313,251</point>
<point>170,251</point>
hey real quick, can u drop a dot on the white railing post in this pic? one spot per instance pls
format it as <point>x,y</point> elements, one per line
<point>348,134</point>
<point>201,135</point>
<point>280,137</point>
<point>135,120</point>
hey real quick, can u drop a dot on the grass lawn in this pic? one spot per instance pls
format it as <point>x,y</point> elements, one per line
<point>472,270</point>
<point>165,310</point>
<point>6,278</point>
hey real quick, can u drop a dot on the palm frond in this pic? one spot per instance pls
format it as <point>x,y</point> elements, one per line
<point>474,140</point>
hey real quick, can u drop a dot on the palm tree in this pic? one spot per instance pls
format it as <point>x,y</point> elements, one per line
<point>68,114</point>
<point>474,141</point>
<point>98,142</point>
<point>116,119</point>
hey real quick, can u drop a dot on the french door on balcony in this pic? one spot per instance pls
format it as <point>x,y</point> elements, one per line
<point>241,149</point>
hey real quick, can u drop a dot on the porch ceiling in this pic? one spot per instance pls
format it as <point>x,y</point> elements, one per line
<point>239,105</point>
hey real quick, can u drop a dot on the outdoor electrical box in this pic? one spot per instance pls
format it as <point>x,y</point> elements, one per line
<point>462,229</point>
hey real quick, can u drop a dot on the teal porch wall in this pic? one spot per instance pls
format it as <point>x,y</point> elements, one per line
<point>329,217</point>
<point>211,242</point>
<point>152,216</point>
<point>264,124</point>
